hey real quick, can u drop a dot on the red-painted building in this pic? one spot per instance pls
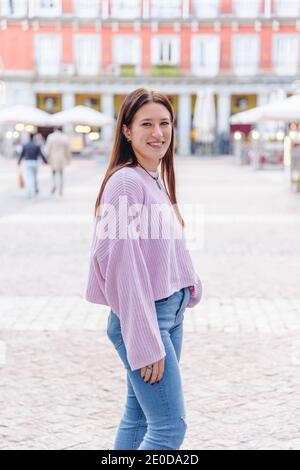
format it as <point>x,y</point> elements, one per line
<point>57,53</point>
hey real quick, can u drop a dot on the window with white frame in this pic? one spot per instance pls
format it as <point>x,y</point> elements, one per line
<point>126,49</point>
<point>286,54</point>
<point>16,8</point>
<point>165,50</point>
<point>247,8</point>
<point>166,9</point>
<point>48,53</point>
<point>125,9</point>
<point>87,54</point>
<point>205,55</point>
<point>206,8</point>
<point>87,8</point>
<point>287,7</point>
<point>245,56</point>
<point>45,8</point>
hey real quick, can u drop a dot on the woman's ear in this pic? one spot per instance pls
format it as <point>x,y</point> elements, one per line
<point>124,129</point>
<point>126,132</point>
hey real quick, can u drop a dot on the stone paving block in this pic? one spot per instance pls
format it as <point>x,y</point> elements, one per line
<point>62,385</point>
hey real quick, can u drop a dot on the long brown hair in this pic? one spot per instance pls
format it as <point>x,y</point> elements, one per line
<point>122,154</point>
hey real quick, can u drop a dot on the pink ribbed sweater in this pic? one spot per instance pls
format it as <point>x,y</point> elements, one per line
<point>131,269</point>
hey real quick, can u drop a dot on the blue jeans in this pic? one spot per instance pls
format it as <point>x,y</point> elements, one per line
<point>31,169</point>
<point>154,415</point>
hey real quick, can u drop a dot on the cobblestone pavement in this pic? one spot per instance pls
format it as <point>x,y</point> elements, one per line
<point>62,385</point>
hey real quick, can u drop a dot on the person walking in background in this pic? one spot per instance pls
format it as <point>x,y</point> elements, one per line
<point>30,153</point>
<point>59,156</point>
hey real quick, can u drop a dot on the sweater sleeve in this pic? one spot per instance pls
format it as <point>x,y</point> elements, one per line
<point>196,293</point>
<point>127,284</point>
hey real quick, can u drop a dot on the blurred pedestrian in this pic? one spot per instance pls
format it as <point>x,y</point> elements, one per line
<point>59,156</point>
<point>193,140</point>
<point>30,153</point>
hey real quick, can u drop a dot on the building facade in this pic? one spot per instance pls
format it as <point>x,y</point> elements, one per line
<point>59,53</point>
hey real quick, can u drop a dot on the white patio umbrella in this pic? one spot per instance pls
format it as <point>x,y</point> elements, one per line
<point>277,95</point>
<point>81,115</point>
<point>205,117</point>
<point>247,117</point>
<point>284,110</point>
<point>24,115</point>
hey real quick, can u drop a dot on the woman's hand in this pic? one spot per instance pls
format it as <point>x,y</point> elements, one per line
<point>192,290</point>
<point>155,373</point>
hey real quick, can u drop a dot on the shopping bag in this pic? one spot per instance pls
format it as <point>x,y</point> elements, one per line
<point>21,181</point>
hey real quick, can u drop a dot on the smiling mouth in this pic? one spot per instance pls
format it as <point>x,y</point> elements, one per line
<point>156,145</point>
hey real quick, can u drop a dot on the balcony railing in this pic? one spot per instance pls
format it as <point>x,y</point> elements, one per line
<point>165,10</point>
<point>68,71</point>
<point>165,70</point>
<point>123,70</point>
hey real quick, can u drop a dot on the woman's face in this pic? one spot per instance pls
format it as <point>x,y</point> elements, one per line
<point>150,133</point>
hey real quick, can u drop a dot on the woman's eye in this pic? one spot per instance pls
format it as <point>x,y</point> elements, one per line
<point>148,124</point>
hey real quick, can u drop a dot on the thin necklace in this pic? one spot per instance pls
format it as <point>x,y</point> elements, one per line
<point>153,177</point>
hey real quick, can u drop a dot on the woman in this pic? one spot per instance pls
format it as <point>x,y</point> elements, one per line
<point>145,276</point>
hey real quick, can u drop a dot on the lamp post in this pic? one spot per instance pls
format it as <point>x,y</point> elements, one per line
<point>287,160</point>
<point>255,136</point>
<point>237,147</point>
<point>295,164</point>
<point>292,161</point>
